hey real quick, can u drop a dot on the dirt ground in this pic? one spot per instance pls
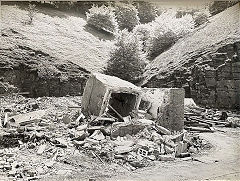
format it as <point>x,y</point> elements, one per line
<point>221,162</point>
<point>219,159</point>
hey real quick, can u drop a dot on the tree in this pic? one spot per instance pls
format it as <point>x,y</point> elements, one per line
<point>199,19</point>
<point>163,32</point>
<point>147,12</point>
<point>126,15</point>
<point>32,11</point>
<point>102,18</point>
<point>127,60</point>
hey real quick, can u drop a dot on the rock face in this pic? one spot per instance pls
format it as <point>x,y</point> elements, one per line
<point>212,80</point>
<point>205,64</point>
<point>217,86</point>
<point>38,73</point>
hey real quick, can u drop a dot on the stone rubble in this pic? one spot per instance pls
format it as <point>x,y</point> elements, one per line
<point>38,148</point>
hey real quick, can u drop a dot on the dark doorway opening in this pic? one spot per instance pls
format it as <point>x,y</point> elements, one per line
<point>123,103</point>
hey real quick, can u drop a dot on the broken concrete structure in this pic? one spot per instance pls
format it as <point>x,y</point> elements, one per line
<point>104,93</point>
<point>166,105</point>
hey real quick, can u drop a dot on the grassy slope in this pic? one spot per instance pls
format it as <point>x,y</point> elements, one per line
<point>223,27</point>
<point>61,36</point>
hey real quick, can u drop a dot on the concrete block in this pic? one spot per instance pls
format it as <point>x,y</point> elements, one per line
<point>166,157</point>
<point>166,105</point>
<point>123,149</point>
<point>123,129</point>
<point>103,90</point>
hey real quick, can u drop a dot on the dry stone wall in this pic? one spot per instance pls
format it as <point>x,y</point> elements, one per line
<point>40,74</point>
<point>211,78</point>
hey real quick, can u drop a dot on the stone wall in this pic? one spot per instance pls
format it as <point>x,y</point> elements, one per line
<point>211,77</point>
<point>27,81</point>
<point>40,74</point>
<point>217,87</point>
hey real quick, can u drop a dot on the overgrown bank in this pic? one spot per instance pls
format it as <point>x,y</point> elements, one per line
<point>37,72</point>
<point>206,63</point>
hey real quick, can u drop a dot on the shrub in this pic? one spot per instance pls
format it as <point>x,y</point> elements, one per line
<point>219,6</point>
<point>181,13</point>
<point>200,16</point>
<point>126,15</point>
<point>127,61</point>
<point>84,6</point>
<point>160,40</point>
<point>180,26</point>
<point>31,12</point>
<point>147,12</point>
<point>143,33</point>
<point>199,19</point>
<point>102,18</point>
<point>158,36</point>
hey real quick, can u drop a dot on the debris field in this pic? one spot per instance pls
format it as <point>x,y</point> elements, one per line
<point>114,126</point>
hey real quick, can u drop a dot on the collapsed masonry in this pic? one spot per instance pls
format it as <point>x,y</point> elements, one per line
<point>166,105</point>
<point>109,94</point>
<point>103,92</point>
<point>127,125</point>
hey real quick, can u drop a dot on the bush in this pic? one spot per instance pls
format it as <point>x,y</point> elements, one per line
<point>147,12</point>
<point>219,6</point>
<point>126,15</point>
<point>160,40</point>
<point>181,13</point>
<point>199,19</point>
<point>158,36</point>
<point>200,16</point>
<point>102,18</point>
<point>143,33</point>
<point>84,6</point>
<point>127,61</point>
<point>31,12</point>
<point>180,26</point>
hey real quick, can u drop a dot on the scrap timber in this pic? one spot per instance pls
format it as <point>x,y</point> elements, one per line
<point>49,135</point>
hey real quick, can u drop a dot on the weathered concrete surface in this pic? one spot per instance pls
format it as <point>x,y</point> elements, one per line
<point>123,129</point>
<point>166,106</point>
<point>103,90</point>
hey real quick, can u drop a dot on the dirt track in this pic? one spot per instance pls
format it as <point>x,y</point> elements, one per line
<point>221,162</point>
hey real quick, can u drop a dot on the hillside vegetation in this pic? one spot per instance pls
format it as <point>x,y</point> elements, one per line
<point>58,34</point>
<point>222,29</point>
<point>206,63</point>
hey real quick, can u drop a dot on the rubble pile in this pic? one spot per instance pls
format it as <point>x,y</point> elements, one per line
<point>45,136</point>
<point>198,119</point>
<point>56,133</point>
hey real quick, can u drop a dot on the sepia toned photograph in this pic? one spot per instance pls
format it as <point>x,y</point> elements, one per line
<point>118,90</point>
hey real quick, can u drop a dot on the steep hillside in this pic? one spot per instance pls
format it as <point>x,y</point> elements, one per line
<point>58,34</point>
<point>51,57</point>
<point>37,72</point>
<point>207,47</point>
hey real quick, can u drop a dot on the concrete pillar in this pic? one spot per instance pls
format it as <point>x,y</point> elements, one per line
<point>166,106</point>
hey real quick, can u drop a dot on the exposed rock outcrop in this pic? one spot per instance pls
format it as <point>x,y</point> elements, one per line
<point>206,63</point>
<point>37,72</point>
